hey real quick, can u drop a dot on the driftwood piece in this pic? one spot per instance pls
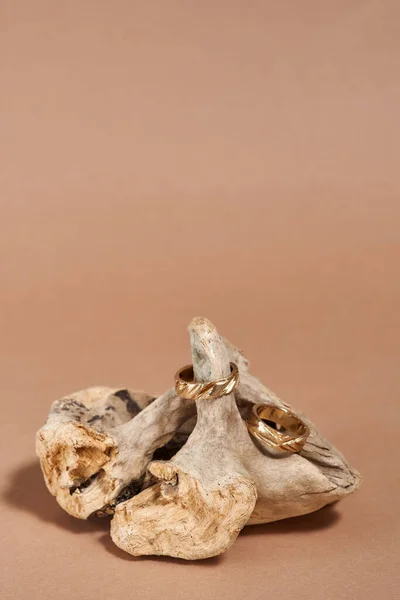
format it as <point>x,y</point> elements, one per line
<point>97,443</point>
<point>195,504</point>
<point>220,480</point>
<point>204,495</point>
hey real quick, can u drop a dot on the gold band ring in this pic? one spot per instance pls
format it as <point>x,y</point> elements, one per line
<point>186,387</point>
<point>277,427</point>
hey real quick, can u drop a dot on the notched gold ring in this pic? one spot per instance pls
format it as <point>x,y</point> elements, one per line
<point>186,387</point>
<point>277,427</point>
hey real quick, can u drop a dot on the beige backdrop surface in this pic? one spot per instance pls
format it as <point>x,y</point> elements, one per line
<point>237,160</point>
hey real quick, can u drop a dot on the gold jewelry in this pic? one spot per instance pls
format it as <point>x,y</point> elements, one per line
<point>277,427</point>
<point>187,388</point>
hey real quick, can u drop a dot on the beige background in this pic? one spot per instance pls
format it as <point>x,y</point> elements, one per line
<point>237,160</point>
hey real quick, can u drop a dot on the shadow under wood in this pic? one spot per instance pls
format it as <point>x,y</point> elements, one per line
<point>324,518</point>
<point>27,492</point>
<point>115,551</point>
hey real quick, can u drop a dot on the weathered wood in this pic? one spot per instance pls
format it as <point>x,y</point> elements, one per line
<point>221,480</point>
<point>218,479</point>
<point>97,443</point>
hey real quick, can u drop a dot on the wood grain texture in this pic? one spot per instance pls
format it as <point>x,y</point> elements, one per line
<point>97,448</point>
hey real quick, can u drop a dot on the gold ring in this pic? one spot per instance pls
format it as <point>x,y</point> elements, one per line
<point>277,427</point>
<point>186,387</point>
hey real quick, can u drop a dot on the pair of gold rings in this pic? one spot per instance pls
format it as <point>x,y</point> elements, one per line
<point>274,427</point>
